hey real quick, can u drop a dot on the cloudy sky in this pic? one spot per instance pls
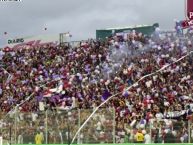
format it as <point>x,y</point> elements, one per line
<point>83,17</point>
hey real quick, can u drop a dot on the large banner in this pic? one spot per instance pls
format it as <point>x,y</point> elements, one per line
<point>33,41</point>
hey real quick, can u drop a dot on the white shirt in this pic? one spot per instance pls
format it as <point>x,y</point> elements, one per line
<point>0,91</point>
<point>99,126</point>
<point>20,139</point>
<point>1,140</point>
<point>1,54</point>
<point>147,139</point>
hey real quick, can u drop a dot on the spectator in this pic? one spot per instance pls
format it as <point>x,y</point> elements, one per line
<point>147,138</point>
<point>39,138</point>
<point>139,137</point>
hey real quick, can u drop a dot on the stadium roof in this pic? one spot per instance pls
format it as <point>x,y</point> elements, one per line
<point>128,27</point>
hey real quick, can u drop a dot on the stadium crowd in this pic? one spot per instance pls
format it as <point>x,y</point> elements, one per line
<point>84,76</point>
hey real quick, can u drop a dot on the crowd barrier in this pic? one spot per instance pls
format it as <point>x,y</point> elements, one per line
<point>59,127</point>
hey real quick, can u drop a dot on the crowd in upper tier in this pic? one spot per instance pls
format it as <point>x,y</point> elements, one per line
<point>84,76</point>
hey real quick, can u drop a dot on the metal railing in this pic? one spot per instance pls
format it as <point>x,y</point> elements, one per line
<point>59,127</point>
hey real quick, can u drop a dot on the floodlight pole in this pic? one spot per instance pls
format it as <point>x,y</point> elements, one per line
<point>61,39</point>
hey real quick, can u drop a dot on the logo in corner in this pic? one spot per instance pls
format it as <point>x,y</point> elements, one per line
<point>189,9</point>
<point>189,15</point>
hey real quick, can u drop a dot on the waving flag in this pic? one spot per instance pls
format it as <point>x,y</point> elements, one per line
<point>51,92</point>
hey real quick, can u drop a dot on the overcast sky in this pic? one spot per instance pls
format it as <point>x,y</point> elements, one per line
<point>83,17</point>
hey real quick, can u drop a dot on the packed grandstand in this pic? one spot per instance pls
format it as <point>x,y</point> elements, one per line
<point>66,78</point>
